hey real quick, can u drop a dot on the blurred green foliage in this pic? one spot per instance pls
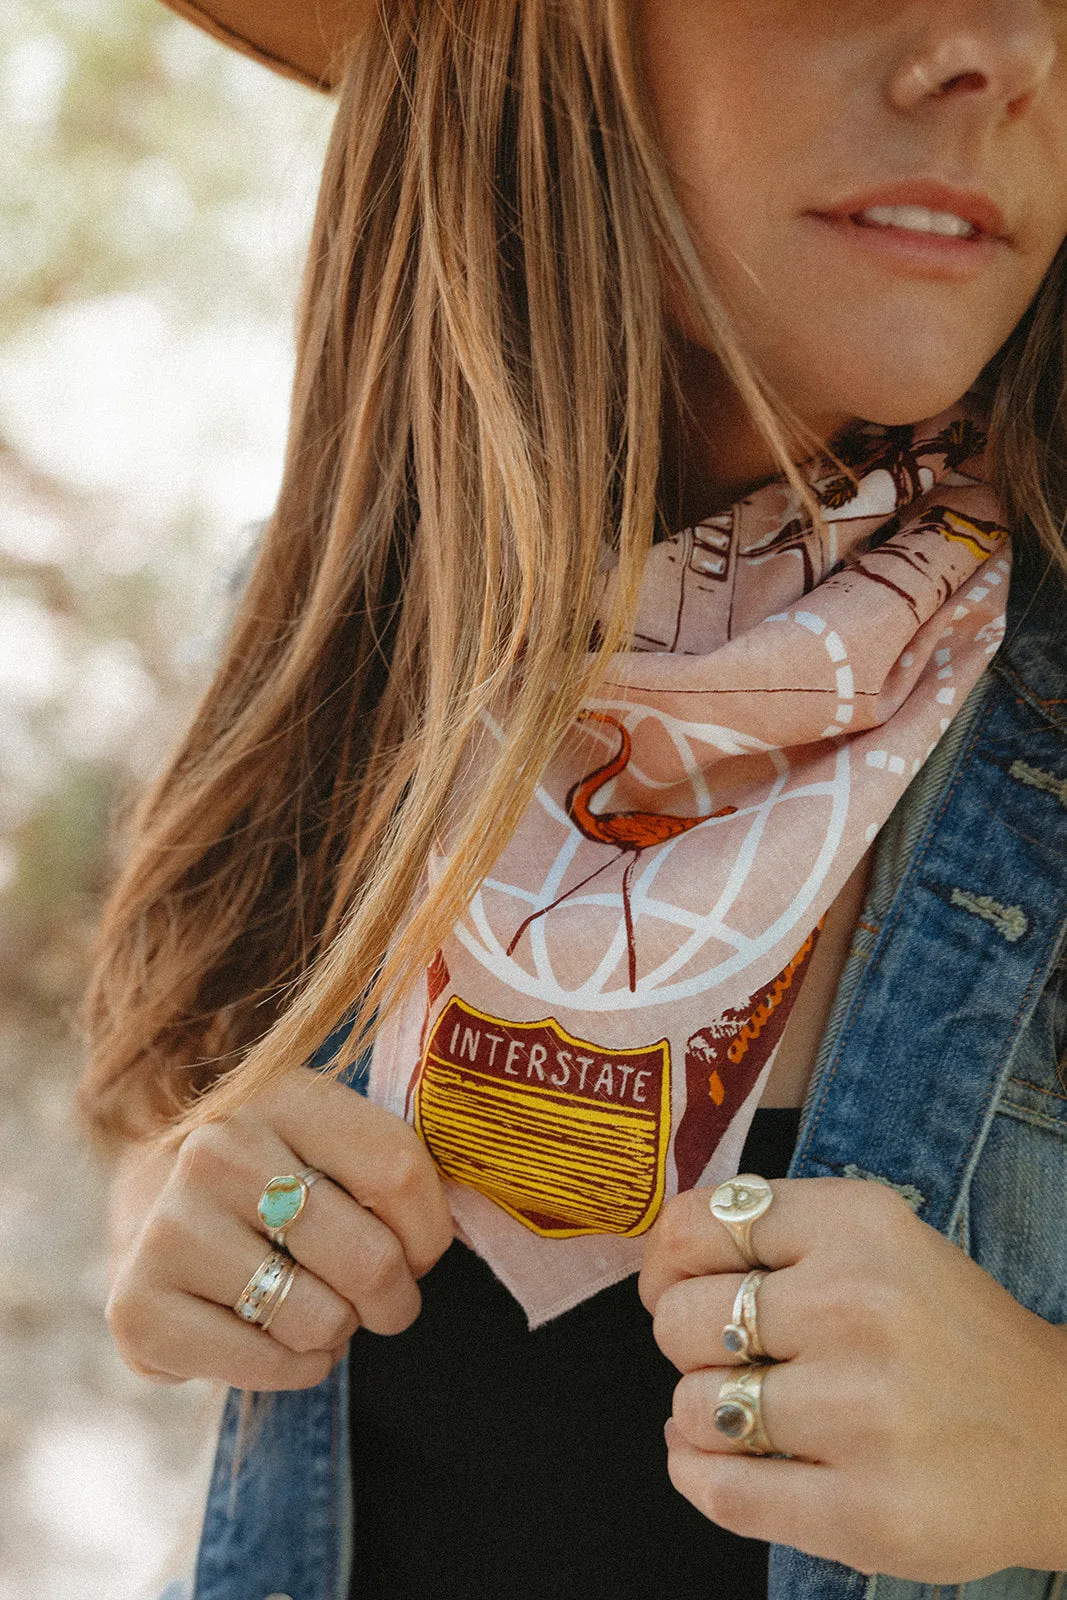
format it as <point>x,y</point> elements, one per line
<point>136,151</point>
<point>139,158</point>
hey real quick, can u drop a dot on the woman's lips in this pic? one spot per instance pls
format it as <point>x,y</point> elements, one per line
<point>925,255</point>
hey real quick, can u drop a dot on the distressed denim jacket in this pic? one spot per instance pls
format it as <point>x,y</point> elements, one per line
<point>943,1072</point>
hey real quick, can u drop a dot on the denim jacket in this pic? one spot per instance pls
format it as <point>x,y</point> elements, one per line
<point>942,1072</point>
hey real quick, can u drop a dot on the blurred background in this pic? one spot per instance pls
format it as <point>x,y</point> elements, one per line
<point>156,194</point>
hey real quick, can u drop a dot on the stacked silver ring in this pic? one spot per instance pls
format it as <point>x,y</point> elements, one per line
<point>737,1204</point>
<point>741,1334</point>
<point>265,1290</point>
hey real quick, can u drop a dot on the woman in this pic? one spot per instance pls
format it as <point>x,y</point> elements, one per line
<point>646,706</point>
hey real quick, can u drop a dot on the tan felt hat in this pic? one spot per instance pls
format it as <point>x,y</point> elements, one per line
<point>303,39</point>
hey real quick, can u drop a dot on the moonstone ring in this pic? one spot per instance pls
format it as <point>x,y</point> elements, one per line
<point>737,1411</point>
<point>283,1200</point>
<point>741,1334</point>
<point>737,1204</point>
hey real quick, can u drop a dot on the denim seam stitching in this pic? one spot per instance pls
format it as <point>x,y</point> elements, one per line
<point>961,1173</point>
<point>1020,685</point>
<point>335,1465</point>
<point>1026,1084</point>
<point>965,1172</point>
<point>1034,1119</point>
<point>893,918</point>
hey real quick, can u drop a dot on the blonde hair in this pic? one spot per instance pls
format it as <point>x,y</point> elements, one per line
<point>484,375</point>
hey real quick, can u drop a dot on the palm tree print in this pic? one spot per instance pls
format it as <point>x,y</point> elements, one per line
<point>869,447</point>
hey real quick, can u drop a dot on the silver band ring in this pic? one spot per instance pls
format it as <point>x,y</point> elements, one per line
<point>741,1334</point>
<point>737,1410</point>
<point>271,1311</point>
<point>738,1203</point>
<point>265,1290</point>
<point>282,1201</point>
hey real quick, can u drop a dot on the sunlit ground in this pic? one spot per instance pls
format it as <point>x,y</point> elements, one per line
<point>102,1475</point>
<point>157,192</point>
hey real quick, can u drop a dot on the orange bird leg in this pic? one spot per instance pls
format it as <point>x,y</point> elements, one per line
<point>546,909</point>
<point>627,911</point>
<point>629,831</point>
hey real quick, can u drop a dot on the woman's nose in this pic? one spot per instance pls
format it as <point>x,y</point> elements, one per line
<point>1002,50</point>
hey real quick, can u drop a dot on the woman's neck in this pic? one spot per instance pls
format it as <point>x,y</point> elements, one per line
<point>714,456</point>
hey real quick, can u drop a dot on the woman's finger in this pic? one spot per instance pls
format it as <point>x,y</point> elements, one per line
<point>812,1412</point>
<point>831,1215</point>
<point>348,1248</point>
<point>795,1503</point>
<point>361,1259</point>
<point>213,1255</point>
<point>220,1347</point>
<point>692,1314</point>
<point>783,1413</point>
<point>357,1256</point>
<point>351,1268</point>
<point>376,1157</point>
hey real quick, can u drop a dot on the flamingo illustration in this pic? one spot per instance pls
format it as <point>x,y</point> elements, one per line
<point>630,831</point>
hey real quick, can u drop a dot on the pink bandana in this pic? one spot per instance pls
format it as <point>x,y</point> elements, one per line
<point>596,1033</point>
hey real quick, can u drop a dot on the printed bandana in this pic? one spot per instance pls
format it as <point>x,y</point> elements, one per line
<point>596,1033</point>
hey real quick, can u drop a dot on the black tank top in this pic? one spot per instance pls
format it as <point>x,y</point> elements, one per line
<point>492,1463</point>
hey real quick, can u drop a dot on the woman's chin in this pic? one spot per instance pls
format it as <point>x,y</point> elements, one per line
<point>903,403</point>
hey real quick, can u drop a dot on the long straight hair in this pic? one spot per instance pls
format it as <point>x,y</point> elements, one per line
<point>482,362</point>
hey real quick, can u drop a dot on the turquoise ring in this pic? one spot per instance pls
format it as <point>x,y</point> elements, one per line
<point>282,1202</point>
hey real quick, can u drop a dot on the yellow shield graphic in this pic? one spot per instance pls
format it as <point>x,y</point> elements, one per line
<point>567,1136</point>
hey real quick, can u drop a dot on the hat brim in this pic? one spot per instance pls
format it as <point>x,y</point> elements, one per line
<point>302,39</point>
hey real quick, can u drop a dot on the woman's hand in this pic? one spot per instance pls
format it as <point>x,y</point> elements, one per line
<point>376,1222</point>
<point>926,1409</point>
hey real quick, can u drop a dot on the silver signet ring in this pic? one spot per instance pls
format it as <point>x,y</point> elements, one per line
<point>737,1204</point>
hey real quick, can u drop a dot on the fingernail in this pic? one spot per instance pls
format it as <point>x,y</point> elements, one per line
<point>668,1431</point>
